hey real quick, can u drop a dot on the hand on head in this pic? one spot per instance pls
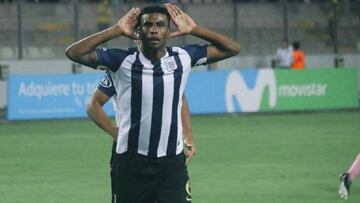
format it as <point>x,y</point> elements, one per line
<point>183,22</point>
<point>127,24</point>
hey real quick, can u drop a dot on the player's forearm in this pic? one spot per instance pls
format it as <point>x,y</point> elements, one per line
<point>186,123</point>
<point>226,44</point>
<point>188,138</point>
<point>187,132</point>
<point>99,117</point>
<point>88,44</point>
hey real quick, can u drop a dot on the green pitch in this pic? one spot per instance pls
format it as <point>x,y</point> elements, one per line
<point>249,158</point>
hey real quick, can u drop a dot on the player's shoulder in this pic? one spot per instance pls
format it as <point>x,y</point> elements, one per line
<point>188,48</point>
<point>193,46</point>
<point>116,51</point>
<point>195,53</point>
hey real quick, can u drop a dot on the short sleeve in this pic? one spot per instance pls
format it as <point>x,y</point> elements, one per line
<point>106,85</point>
<point>111,58</point>
<point>197,53</point>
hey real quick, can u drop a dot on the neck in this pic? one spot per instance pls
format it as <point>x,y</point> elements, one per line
<point>152,54</point>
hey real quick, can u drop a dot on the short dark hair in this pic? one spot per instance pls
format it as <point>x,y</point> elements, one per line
<point>153,9</point>
<point>296,45</point>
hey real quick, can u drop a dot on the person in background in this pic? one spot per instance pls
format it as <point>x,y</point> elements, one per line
<point>104,15</point>
<point>298,62</point>
<point>284,55</point>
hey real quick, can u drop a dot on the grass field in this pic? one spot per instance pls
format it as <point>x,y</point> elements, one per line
<point>248,158</point>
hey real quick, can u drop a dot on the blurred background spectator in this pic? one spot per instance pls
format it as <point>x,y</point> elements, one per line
<point>104,15</point>
<point>298,62</point>
<point>284,55</point>
<point>40,29</point>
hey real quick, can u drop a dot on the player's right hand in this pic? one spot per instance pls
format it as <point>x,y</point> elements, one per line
<point>127,24</point>
<point>190,151</point>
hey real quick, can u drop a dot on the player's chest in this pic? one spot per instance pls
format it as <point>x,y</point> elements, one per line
<point>167,68</point>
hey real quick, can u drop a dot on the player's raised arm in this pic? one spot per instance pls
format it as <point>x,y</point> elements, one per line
<point>83,51</point>
<point>221,47</point>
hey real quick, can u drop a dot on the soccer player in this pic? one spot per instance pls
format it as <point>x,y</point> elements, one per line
<point>150,80</point>
<point>347,178</point>
<point>104,92</point>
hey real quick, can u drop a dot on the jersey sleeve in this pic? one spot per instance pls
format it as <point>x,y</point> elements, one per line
<point>111,58</point>
<point>106,85</point>
<point>197,53</point>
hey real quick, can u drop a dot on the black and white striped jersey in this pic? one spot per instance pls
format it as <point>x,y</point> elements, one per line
<point>150,96</point>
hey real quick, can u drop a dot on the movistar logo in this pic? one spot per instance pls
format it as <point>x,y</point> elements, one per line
<point>248,91</point>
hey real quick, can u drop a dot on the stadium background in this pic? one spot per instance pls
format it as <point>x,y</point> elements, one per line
<point>294,155</point>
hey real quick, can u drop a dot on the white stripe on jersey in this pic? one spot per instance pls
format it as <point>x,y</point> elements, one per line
<point>146,105</point>
<point>123,88</point>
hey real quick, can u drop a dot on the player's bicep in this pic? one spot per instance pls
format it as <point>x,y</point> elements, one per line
<point>90,59</point>
<point>98,98</point>
<point>215,54</point>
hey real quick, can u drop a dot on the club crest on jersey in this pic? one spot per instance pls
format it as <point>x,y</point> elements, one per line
<point>106,82</point>
<point>170,64</point>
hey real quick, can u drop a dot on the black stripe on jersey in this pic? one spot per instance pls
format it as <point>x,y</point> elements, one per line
<point>157,109</point>
<point>171,149</point>
<point>136,96</point>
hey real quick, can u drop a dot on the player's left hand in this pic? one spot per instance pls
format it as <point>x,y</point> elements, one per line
<point>190,151</point>
<point>183,22</point>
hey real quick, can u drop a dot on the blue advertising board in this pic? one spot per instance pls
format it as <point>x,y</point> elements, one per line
<point>225,91</point>
<point>205,92</point>
<point>261,90</point>
<point>51,96</point>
